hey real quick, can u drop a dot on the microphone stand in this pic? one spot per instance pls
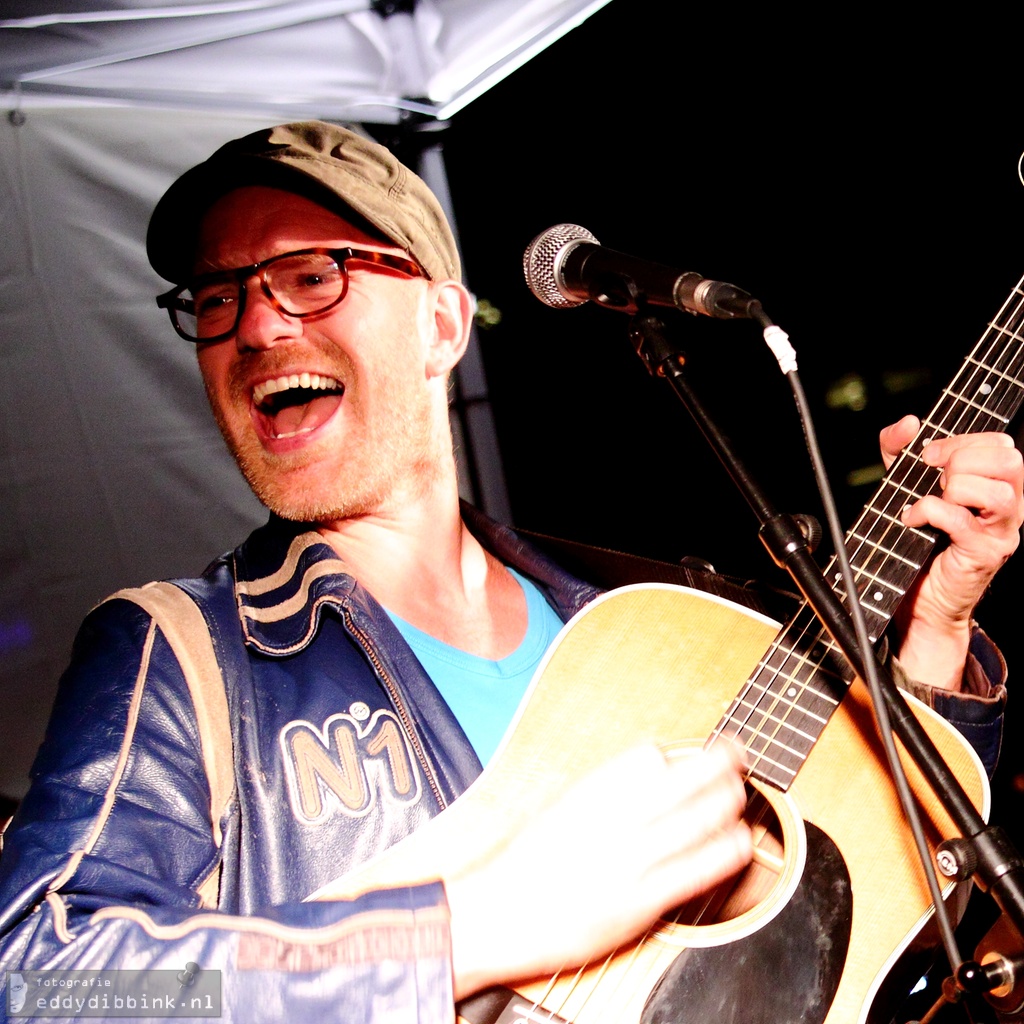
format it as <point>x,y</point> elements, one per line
<point>985,852</point>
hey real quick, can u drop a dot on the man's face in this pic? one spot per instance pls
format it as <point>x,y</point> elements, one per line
<point>358,432</point>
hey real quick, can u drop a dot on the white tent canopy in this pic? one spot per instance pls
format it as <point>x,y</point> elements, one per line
<point>113,471</point>
<point>337,59</point>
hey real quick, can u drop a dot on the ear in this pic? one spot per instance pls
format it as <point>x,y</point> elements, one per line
<point>453,317</point>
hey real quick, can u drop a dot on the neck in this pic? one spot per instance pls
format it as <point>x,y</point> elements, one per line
<point>420,561</point>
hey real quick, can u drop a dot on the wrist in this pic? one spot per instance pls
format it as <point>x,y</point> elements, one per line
<point>936,655</point>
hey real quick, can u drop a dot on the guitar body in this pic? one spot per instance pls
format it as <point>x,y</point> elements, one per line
<point>662,664</point>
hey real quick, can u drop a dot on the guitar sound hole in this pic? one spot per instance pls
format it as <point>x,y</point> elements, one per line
<point>758,883</point>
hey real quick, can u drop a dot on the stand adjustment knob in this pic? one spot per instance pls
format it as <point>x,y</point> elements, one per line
<point>955,858</point>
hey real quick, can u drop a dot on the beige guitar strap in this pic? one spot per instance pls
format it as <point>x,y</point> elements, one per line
<point>185,629</point>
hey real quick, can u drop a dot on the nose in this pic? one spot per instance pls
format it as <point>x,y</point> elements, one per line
<point>262,324</point>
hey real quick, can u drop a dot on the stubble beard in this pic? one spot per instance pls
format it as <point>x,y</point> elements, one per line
<point>403,456</point>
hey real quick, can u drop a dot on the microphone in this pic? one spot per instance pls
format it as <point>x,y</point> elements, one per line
<point>566,266</point>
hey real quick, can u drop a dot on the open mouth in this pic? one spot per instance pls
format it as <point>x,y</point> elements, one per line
<point>296,404</point>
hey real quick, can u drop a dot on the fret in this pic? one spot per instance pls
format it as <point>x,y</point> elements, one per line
<point>888,529</point>
<point>765,699</point>
<point>767,770</point>
<point>821,672</point>
<point>805,637</point>
<point>917,531</point>
<point>860,571</point>
<point>998,367</point>
<point>977,389</point>
<point>885,552</point>
<point>906,490</point>
<point>794,690</point>
<point>777,722</point>
<point>782,750</point>
<point>901,479</point>
<point>1012,381</point>
<point>869,602</point>
<point>878,617</point>
<point>986,394</point>
<point>878,594</point>
<point>877,590</point>
<point>768,708</point>
<point>911,456</point>
<point>936,427</point>
<point>975,405</point>
<point>835,649</point>
<point>777,758</point>
<point>911,461</point>
<point>885,502</point>
<point>1002,330</point>
<point>882,534</point>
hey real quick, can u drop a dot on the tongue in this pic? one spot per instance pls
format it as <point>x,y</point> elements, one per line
<point>305,417</point>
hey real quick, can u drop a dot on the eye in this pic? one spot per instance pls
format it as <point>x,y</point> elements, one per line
<point>309,278</point>
<point>314,279</point>
<point>214,301</point>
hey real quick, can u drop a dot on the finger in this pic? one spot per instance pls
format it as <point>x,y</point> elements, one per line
<point>989,480</point>
<point>1002,464</point>
<point>646,784</point>
<point>894,438</point>
<point>996,501</point>
<point>683,833</point>
<point>956,520</point>
<point>716,772</point>
<point>938,451</point>
<point>674,881</point>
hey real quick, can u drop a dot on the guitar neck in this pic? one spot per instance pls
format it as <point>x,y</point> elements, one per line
<point>789,699</point>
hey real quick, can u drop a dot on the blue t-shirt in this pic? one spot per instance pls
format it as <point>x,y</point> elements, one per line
<point>485,694</point>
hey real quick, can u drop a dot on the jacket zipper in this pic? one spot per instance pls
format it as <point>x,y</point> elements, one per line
<point>400,708</point>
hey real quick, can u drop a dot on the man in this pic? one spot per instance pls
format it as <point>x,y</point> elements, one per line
<point>321,284</point>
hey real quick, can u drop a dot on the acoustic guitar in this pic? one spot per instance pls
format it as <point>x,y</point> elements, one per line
<point>835,895</point>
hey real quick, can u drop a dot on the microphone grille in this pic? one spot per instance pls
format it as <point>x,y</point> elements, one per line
<point>543,259</point>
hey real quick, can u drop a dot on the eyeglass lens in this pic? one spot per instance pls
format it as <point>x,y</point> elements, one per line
<point>301,284</point>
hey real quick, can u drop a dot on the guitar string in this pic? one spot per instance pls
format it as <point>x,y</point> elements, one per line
<point>911,474</point>
<point>965,411</point>
<point>627,972</point>
<point>918,478</point>
<point>976,363</point>
<point>955,392</point>
<point>633,957</point>
<point>632,951</point>
<point>951,393</point>
<point>602,966</point>
<point>974,369</point>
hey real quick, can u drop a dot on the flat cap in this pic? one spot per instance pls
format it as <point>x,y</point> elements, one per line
<point>335,167</point>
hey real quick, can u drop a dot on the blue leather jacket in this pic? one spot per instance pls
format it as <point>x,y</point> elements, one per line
<point>122,855</point>
<point>340,747</point>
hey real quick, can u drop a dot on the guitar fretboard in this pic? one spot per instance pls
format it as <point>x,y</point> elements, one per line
<point>789,699</point>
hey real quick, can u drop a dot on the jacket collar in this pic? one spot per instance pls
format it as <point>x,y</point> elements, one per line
<point>286,572</point>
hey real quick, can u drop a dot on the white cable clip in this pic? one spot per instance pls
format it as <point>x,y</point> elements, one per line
<point>778,341</point>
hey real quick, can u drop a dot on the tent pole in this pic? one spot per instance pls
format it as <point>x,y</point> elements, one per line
<point>480,464</point>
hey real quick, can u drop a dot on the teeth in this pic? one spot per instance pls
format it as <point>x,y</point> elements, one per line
<point>295,380</point>
<point>295,433</point>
